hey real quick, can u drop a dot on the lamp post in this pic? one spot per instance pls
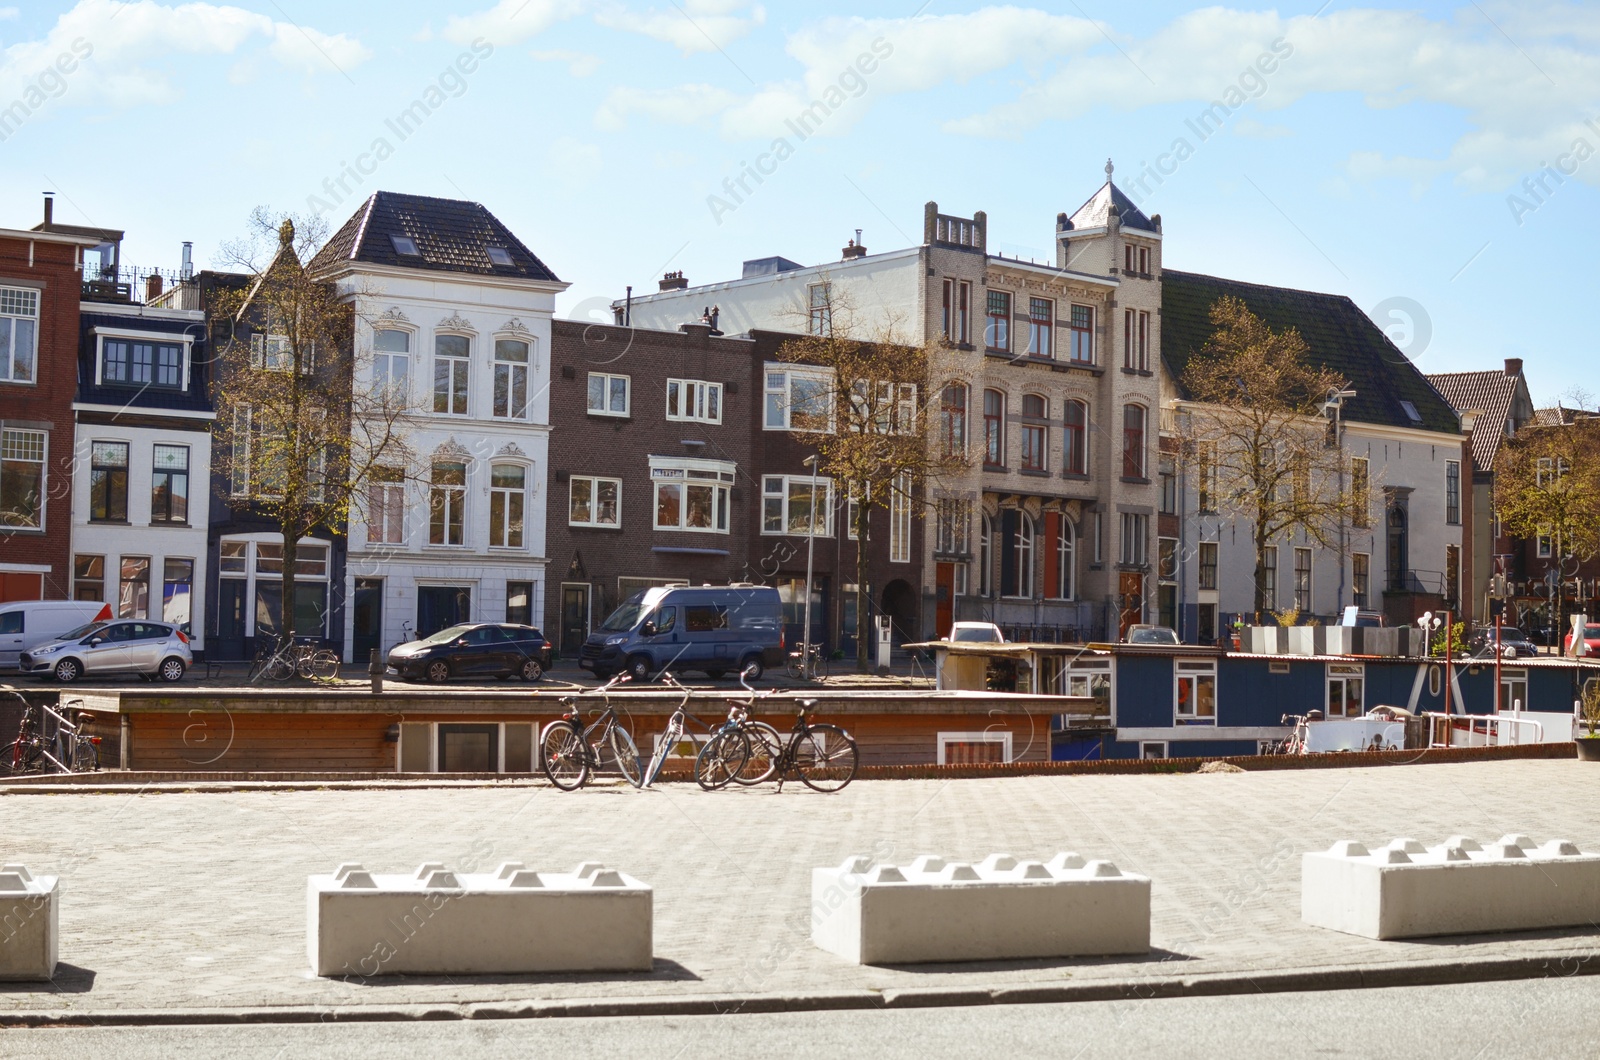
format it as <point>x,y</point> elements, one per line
<point>811,548</point>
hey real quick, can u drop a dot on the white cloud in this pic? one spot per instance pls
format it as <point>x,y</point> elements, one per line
<point>579,64</point>
<point>580,162</point>
<point>1255,130</point>
<point>692,26</point>
<point>510,21</point>
<point>683,105</point>
<point>313,51</point>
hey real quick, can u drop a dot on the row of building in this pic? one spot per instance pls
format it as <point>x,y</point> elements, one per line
<point>564,465</point>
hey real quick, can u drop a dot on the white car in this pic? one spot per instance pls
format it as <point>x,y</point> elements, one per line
<point>153,649</point>
<point>975,633</point>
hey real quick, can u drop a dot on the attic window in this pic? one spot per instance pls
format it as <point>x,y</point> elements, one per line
<point>405,246</point>
<point>500,256</point>
<point>1411,412</point>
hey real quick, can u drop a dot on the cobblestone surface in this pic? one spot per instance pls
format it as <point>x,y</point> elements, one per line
<point>174,900</point>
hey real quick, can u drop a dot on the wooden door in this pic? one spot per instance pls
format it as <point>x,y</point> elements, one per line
<point>1131,589</point>
<point>945,598</point>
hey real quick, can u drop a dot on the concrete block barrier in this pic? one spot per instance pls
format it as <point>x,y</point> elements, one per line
<point>29,924</point>
<point>998,909</point>
<point>1459,887</point>
<point>514,920</point>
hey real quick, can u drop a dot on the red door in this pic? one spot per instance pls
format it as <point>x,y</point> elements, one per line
<point>1132,590</point>
<point>944,598</point>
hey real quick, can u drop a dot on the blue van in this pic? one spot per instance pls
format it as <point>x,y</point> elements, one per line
<point>716,629</point>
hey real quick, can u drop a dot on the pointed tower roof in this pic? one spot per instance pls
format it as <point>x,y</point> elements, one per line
<point>1097,211</point>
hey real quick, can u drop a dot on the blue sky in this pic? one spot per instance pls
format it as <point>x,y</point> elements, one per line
<point>1432,161</point>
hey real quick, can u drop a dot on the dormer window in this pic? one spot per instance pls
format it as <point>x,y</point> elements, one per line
<point>405,246</point>
<point>500,256</point>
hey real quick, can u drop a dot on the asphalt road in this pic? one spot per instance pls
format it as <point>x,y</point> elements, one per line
<point>1551,1019</point>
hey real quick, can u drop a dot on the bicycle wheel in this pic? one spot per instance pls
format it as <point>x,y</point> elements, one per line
<point>325,665</point>
<point>626,754</point>
<point>23,755</point>
<point>668,741</point>
<point>826,758</point>
<point>766,746</point>
<point>721,759</point>
<point>279,668</point>
<point>85,757</point>
<point>562,757</point>
<point>820,665</point>
<point>792,666</point>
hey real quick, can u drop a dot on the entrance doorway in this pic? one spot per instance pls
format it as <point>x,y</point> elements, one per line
<point>900,604</point>
<point>368,613</point>
<point>944,607</point>
<point>442,606</point>
<point>574,617</point>
<point>1131,588</point>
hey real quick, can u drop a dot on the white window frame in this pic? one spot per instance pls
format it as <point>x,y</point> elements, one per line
<point>384,361</point>
<point>594,521</point>
<point>1135,542</point>
<point>1342,674</point>
<point>249,545</point>
<point>1194,671</point>
<point>271,351</point>
<point>1159,747</point>
<point>1066,559</point>
<point>953,526</point>
<point>386,508</point>
<point>461,364</point>
<point>511,370</point>
<point>455,498</point>
<point>777,490</point>
<point>164,338</point>
<point>900,520</point>
<point>819,308</point>
<point>506,493</point>
<point>12,301</point>
<point>44,476</point>
<point>718,475</point>
<point>1309,571</point>
<point>1001,737</point>
<point>690,401</point>
<point>779,416</point>
<point>1510,680</point>
<point>606,379</point>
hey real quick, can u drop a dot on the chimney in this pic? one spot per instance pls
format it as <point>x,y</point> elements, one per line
<point>49,208</point>
<point>187,272</point>
<point>674,281</point>
<point>152,287</point>
<point>854,249</point>
<point>930,222</point>
<point>1513,367</point>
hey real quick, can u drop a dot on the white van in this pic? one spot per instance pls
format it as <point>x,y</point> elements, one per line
<point>25,623</point>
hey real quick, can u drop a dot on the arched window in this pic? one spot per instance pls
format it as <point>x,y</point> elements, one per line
<point>1023,558</point>
<point>994,428</point>
<point>1075,438</point>
<point>953,420</point>
<point>985,556</point>
<point>1133,441</point>
<point>1035,431</point>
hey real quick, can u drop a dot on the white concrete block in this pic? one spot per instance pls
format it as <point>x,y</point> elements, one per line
<point>1459,887</point>
<point>29,924</point>
<point>999,909</point>
<point>513,920</point>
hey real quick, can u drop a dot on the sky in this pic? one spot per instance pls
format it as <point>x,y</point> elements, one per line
<point>1437,163</point>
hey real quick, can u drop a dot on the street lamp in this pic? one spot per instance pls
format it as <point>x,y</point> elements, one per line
<point>1428,623</point>
<point>811,548</point>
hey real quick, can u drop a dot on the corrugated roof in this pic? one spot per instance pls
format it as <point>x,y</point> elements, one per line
<point>1492,394</point>
<point>451,235</point>
<point>1337,333</point>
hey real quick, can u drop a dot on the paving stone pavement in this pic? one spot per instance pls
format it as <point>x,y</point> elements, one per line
<point>177,900</point>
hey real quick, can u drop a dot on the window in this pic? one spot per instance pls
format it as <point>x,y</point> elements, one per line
<point>499,256</point>
<point>594,501</point>
<point>1017,554</point>
<point>142,363</point>
<point>953,420</point>
<point>511,399</point>
<point>133,597</point>
<point>1034,432</point>
<point>177,591</point>
<point>1153,749</point>
<point>953,527</point>
<point>705,618</point>
<point>691,494</point>
<point>1345,684</point>
<point>985,555</point>
<point>1208,565</point>
<point>690,399</point>
<point>508,496</point>
<point>1097,524</point>
<point>1513,689</point>
<point>900,520</point>
<point>1452,575</point>
<point>1360,578</point>
<point>1133,441</point>
<point>1196,691</point>
<point>1074,438</point>
<point>1543,543</point>
<point>1302,579</point>
<point>1206,476</point>
<point>272,353</point>
<point>819,309</point>
<point>1136,259</point>
<point>851,510</point>
<point>519,603</point>
<point>1136,340</point>
<point>994,429</point>
<point>608,394</point>
<point>1169,486</point>
<point>1041,327</point>
<point>956,311</point>
<point>88,578</point>
<point>1269,576</point>
<point>1083,334</point>
<point>451,360</point>
<point>799,399</point>
<point>447,502</point>
<point>405,246</point>
<point>1411,412</point>
<point>391,361</point>
<point>169,485</point>
<point>788,505</point>
<point>19,334</point>
<point>1135,548</point>
<point>1167,559</point>
<point>997,332</point>
<point>22,478</point>
<point>1549,471</point>
<point>974,748</point>
<point>108,482</point>
<point>1061,586</point>
<point>386,506</point>
<point>1452,491</point>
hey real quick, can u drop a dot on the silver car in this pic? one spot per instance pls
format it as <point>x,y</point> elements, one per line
<point>122,646</point>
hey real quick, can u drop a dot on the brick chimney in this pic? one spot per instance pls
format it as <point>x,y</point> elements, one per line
<point>49,209</point>
<point>152,287</point>
<point>854,249</point>
<point>674,281</point>
<point>1513,367</point>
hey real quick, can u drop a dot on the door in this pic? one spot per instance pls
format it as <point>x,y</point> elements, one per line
<point>1131,588</point>
<point>111,654</point>
<point>230,619</point>
<point>574,619</point>
<point>442,606</point>
<point>146,646</point>
<point>469,748</point>
<point>944,598</point>
<point>368,614</point>
<point>13,624</point>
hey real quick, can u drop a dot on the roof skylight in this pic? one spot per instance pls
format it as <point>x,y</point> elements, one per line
<point>500,256</point>
<point>406,246</point>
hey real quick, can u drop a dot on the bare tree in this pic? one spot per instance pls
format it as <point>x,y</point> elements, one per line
<point>296,441</point>
<point>1547,485</point>
<point>1253,424</point>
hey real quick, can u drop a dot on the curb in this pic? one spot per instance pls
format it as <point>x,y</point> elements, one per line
<point>1351,977</point>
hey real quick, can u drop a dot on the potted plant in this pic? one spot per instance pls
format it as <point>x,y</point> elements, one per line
<point>1588,740</point>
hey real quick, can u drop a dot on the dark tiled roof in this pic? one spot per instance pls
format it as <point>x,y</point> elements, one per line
<point>1493,394</point>
<point>1338,336</point>
<point>194,399</point>
<point>1093,213</point>
<point>452,235</point>
<point>1560,416</point>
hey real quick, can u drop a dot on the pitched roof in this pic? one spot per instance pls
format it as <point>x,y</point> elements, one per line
<point>1493,394</point>
<point>1094,213</point>
<point>1337,333</point>
<point>450,236</point>
<point>1560,416</point>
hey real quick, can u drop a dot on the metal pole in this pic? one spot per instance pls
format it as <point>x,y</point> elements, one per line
<point>1448,630</point>
<point>1499,621</point>
<point>811,547</point>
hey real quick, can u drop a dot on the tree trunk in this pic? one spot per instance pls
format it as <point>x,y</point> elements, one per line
<point>1261,605</point>
<point>863,595</point>
<point>291,546</point>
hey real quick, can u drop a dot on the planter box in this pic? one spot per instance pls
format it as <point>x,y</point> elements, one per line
<point>1381,640</point>
<point>31,931</point>
<point>1264,640</point>
<point>1302,640</point>
<point>1405,890</point>
<point>1341,640</point>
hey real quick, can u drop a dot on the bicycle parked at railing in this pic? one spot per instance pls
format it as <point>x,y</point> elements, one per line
<point>569,751</point>
<point>812,667</point>
<point>823,756</point>
<point>49,741</point>
<point>279,662</point>
<point>757,768</point>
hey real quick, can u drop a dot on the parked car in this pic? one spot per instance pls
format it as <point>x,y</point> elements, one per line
<point>713,629</point>
<point>976,633</point>
<point>28,623</point>
<point>1511,639</point>
<point>125,646</point>
<point>480,649</point>
<point>1591,640</point>
<point>1148,634</point>
<point>1363,619</point>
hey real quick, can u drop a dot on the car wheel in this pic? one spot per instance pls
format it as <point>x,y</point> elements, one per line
<point>753,661</point>
<point>639,668</point>
<point>68,671</point>
<point>172,669</point>
<point>438,671</point>
<point>532,670</point>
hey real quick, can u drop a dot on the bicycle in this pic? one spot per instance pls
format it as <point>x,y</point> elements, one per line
<point>823,756</point>
<point>303,657</point>
<point>737,714</point>
<point>566,754</point>
<point>66,750</point>
<point>813,666</point>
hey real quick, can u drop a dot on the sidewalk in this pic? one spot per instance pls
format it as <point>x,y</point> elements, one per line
<point>191,906</point>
